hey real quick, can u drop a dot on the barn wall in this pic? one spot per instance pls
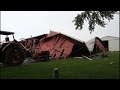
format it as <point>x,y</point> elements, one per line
<point>113,42</point>
<point>58,46</point>
<point>114,45</point>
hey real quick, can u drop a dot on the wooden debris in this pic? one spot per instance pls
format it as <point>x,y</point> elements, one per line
<point>87,57</point>
<point>78,57</point>
<point>111,63</point>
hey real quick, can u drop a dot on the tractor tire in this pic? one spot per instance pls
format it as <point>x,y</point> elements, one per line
<point>14,56</point>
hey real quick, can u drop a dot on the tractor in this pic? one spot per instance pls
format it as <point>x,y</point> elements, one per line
<point>12,53</point>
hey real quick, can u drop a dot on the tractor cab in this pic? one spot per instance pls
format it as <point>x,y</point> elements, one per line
<point>7,33</point>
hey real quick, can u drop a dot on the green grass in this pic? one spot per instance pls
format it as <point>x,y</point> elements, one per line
<point>98,68</point>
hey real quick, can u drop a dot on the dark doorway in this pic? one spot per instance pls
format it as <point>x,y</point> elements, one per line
<point>105,43</point>
<point>79,50</point>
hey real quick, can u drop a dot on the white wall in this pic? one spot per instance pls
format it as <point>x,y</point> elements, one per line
<point>114,45</point>
<point>113,42</point>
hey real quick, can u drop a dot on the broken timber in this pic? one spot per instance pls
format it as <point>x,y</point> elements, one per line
<point>87,57</point>
<point>78,57</point>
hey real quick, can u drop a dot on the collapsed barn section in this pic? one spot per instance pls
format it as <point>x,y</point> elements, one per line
<point>57,45</point>
<point>96,46</point>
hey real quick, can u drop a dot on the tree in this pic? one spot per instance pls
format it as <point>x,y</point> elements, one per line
<point>93,18</point>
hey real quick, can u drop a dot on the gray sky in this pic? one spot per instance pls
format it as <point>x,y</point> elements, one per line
<point>27,23</point>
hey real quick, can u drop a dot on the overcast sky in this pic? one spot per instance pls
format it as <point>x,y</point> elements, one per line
<point>27,23</point>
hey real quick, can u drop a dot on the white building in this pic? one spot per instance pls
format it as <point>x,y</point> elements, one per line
<point>111,43</point>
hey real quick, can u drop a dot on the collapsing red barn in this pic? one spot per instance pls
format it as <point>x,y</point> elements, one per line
<point>61,46</point>
<point>58,45</point>
<point>95,46</point>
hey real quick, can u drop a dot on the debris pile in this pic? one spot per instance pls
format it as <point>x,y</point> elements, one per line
<point>57,45</point>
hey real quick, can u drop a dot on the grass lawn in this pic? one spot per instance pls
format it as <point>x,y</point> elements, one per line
<point>98,68</point>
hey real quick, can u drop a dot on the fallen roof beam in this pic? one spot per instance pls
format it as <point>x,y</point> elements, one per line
<point>87,57</point>
<point>78,57</point>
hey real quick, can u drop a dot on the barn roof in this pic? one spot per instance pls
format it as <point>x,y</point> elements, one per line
<point>110,38</point>
<point>37,37</point>
<point>53,33</point>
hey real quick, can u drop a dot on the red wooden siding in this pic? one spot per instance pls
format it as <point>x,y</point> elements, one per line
<point>55,45</point>
<point>59,45</point>
<point>100,45</point>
